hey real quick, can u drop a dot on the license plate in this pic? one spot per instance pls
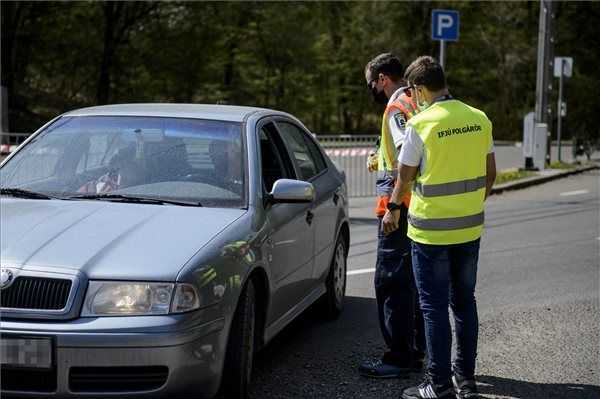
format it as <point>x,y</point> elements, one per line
<point>26,352</point>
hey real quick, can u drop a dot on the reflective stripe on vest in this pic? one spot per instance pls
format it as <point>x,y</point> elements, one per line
<point>457,187</point>
<point>463,222</point>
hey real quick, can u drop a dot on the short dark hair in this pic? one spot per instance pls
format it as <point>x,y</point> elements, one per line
<point>426,71</point>
<point>387,64</point>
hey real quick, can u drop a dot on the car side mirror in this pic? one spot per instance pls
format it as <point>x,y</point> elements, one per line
<point>290,191</point>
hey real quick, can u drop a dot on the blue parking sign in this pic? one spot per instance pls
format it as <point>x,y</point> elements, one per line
<point>444,25</point>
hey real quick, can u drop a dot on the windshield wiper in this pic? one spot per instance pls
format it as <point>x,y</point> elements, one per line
<point>22,193</point>
<point>132,199</point>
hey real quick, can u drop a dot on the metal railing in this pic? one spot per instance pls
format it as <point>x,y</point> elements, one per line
<point>350,154</point>
<point>10,141</point>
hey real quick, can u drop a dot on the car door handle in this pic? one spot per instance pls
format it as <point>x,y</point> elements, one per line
<point>309,217</point>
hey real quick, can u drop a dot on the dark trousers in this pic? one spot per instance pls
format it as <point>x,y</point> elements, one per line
<point>400,317</point>
<point>446,275</point>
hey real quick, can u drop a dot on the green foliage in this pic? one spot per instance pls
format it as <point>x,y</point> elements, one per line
<point>306,58</point>
<point>509,175</point>
<point>561,165</point>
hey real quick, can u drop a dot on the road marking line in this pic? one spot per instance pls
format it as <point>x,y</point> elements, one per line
<point>576,192</point>
<point>360,271</point>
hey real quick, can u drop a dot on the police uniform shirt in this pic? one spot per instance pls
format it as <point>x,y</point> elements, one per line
<point>396,121</point>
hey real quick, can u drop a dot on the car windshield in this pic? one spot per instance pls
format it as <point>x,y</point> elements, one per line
<point>175,159</point>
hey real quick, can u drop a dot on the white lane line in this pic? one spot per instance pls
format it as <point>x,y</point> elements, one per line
<point>576,192</point>
<point>360,271</point>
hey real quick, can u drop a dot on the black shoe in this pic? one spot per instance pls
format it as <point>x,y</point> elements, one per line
<point>465,388</point>
<point>429,390</point>
<point>379,369</point>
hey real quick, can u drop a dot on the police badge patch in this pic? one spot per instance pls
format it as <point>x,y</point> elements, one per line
<point>400,120</point>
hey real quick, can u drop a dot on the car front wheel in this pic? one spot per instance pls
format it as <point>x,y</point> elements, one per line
<point>333,299</point>
<point>240,347</point>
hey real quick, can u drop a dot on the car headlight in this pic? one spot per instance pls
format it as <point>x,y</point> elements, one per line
<point>121,298</point>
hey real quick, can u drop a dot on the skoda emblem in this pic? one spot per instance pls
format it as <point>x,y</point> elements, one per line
<point>6,278</point>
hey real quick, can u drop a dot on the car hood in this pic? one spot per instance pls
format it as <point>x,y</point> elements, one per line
<point>106,240</point>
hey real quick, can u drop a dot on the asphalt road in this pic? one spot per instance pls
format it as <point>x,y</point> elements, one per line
<point>538,296</point>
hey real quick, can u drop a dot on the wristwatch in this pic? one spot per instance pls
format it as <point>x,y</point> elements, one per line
<point>392,206</point>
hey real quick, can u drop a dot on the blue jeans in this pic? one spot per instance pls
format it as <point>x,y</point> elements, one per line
<point>397,305</point>
<point>446,274</point>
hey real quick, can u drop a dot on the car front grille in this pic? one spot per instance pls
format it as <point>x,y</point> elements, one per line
<point>36,293</point>
<point>117,379</point>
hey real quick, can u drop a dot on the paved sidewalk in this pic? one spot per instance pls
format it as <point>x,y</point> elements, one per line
<point>364,207</point>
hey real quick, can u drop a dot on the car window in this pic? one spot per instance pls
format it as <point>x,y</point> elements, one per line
<point>275,162</point>
<point>306,155</point>
<point>159,157</point>
<point>38,164</point>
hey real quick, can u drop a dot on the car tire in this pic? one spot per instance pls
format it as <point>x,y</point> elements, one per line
<point>332,301</point>
<point>240,347</point>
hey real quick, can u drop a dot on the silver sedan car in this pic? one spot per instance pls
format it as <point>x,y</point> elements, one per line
<point>151,249</point>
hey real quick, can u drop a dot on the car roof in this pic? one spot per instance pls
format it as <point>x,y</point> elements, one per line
<point>229,113</point>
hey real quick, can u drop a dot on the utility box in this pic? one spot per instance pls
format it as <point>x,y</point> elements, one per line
<point>540,140</point>
<point>528,140</point>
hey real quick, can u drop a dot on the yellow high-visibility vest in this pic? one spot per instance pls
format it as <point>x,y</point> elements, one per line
<point>448,195</point>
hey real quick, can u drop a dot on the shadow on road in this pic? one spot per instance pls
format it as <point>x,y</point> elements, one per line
<point>313,358</point>
<point>493,387</point>
<point>363,221</point>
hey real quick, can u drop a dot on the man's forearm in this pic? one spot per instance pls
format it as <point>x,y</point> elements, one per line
<point>489,183</point>
<point>400,189</point>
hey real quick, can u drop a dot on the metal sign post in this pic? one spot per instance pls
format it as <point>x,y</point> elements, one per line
<point>445,28</point>
<point>563,66</point>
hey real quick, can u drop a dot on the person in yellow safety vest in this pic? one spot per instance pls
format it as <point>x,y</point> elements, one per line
<point>448,157</point>
<point>399,316</point>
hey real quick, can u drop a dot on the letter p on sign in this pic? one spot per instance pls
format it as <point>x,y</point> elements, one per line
<point>444,22</point>
<point>444,25</point>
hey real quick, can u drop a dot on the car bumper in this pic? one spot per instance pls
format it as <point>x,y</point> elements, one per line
<point>149,356</point>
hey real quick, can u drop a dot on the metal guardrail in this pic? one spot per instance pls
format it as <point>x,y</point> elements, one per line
<point>10,141</point>
<point>350,153</point>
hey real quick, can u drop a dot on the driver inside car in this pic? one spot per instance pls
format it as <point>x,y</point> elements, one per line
<point>122,172</point>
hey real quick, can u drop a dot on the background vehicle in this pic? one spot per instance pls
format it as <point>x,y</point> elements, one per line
<point>151,249</point>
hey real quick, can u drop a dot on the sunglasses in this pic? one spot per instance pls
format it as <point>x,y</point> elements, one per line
<point>370,85</point>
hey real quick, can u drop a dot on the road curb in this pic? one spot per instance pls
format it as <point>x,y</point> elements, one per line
<point>533,181</point>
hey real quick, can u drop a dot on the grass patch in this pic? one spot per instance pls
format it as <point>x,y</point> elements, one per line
<point>561,165</point>
<point>511,175</point>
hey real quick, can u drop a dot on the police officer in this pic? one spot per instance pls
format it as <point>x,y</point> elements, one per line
<point>448,153</point>
<point>394,283</point>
